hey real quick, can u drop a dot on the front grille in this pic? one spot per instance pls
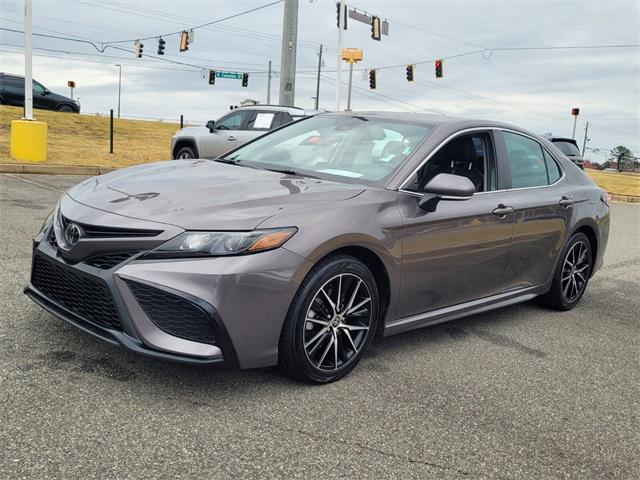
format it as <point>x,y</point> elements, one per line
<point>109,260</point>
<point>173,314</point>
<point>89,299</point>
<point>97,231</point>
<point>52,237</point>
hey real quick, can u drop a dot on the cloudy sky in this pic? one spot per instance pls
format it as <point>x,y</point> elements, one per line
<point>533,88</point>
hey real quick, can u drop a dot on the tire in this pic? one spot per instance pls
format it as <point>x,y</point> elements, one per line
<point>572,274</point>
<point>65,108</point>
<point>312,329</point>
<point>185,153</point>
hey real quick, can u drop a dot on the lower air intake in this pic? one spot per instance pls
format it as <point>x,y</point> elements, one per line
<point>173,314</point>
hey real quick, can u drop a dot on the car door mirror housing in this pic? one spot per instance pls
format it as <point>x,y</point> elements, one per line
<point>211,125</point>
<point>446,186</point>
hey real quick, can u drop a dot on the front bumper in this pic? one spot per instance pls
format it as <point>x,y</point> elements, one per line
<point>244,298</point>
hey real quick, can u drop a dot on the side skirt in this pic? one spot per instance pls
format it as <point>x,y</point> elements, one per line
<point>446,314</point>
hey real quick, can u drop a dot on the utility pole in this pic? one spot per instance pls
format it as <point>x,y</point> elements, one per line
<point>317,104</point>
<point>288,57</point>
<point>119,86</point>
<point>269,84</point>
<point>584,143</point>
<point>28,66</point>
<point>351,56</point>
<point>339,57</point>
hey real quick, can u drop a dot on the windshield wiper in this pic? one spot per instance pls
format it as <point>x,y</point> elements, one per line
<point>288,171</point>
<point>230,161</point>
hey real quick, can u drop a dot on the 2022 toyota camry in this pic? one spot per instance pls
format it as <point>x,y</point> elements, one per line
<point>300,246</point>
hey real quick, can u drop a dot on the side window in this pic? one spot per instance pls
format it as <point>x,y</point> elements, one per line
<point>282,118</point>
<point>260,121</point>
<point>467,155</point>
<point>14,83</point>
<point>553,170</point>
<point>37,88</point>
<point>526,161</point>
<point>233,121</point>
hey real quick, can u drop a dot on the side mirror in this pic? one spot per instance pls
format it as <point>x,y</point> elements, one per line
<point>211,125</point>
<point>446,186</point>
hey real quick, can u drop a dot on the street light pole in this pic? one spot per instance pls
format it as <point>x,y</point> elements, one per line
<point>119,86</point>
<point>350,81</point>
<point>28,67</point>
<point>317,104</point>
<point>269,85</point>
<point>288,55</point>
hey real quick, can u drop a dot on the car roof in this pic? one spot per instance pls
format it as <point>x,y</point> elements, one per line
<point>276,108</point>
<point>438,120</point>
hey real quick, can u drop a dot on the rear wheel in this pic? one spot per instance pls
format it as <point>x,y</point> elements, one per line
<point>65,108</point>
<point>331,321</point>
<point>572,274</point>
<point>185,153</point>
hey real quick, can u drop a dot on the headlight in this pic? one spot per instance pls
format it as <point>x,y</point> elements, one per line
<point>47,221</point>
<point>214,244</point>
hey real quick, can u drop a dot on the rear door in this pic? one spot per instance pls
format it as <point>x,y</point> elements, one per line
<point>258,123</point>
<point>542,211</point>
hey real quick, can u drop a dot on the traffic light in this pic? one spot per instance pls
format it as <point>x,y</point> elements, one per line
<point>376,33</point>
<point>439,68</point>
<point>212,77</point>
<point>184,41</point>
<point>245,79</point>
<point>161,43</point>
<point>139,47</point>
<point>410,73</point>
<point>372,79</point>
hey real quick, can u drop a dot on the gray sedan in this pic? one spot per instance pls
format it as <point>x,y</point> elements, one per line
<point>299,247</point>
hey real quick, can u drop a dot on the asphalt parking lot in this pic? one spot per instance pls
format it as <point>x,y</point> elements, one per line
<point>522,392</point>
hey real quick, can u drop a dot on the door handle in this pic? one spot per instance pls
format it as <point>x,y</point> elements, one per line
<point>566,202</point>
<point>502,211</point>
<point>231,138</point>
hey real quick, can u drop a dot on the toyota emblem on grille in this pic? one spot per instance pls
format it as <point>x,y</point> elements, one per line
<point>72,234</point>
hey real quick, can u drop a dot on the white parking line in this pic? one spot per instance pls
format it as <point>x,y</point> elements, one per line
<point>32,182</point>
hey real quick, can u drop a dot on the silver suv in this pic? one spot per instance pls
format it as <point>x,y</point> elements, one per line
<point>231,130</point>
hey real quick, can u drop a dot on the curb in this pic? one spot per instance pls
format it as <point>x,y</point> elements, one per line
<point>624,198</point>
<point>54,169</point>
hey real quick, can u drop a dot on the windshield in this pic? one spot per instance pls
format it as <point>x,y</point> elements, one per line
<point>351,149</point>
<point>568,148</point>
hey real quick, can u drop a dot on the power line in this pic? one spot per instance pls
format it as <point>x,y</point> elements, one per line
<point>213,22</point>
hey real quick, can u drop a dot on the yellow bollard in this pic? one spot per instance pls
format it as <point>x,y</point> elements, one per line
<point>28,141</point>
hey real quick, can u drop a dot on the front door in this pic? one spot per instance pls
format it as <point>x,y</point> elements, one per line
<point>460,251</point>
<point>225,136</point>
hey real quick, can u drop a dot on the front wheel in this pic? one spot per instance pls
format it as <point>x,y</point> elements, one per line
<point>331,321</point>
<point>185,153</point>
<point>572,274</point>
<point>65,108</point>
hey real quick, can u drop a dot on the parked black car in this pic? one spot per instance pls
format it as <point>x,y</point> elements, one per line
<point>12,93</point>
<point>569,147</point>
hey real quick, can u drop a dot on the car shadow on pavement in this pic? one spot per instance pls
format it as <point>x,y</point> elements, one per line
<point>80,354</point>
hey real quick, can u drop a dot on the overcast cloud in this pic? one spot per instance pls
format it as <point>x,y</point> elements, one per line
<point>535,89</point>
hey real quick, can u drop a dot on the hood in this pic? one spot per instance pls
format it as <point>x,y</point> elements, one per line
<point>206,195</point>
<point>191,131</point>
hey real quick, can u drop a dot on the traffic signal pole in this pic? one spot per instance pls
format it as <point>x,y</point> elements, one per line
<point>288,58</point>
<point>339,64</point>
<point>28,69</point>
